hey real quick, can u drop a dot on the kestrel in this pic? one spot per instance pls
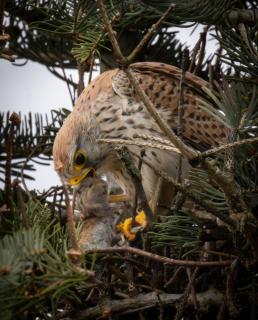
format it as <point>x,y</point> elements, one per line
<point>109,108</point>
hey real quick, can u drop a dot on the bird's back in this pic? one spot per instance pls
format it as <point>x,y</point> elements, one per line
<point>161,83</point>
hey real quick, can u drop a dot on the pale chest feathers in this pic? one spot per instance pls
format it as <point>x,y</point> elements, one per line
<point>124,117</point>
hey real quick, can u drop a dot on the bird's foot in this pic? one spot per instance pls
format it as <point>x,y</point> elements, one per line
<point>127,228</point>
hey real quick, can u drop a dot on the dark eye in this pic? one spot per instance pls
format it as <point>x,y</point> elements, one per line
<point>80,159</point>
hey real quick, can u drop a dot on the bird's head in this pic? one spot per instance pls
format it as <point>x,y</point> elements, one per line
<point>76,151</point>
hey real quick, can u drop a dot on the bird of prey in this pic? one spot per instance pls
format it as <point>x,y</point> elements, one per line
<point>109,108</point>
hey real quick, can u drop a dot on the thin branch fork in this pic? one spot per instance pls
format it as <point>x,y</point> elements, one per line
<point>161,259</point>
<point>151,32</point>
<point>121,59</point>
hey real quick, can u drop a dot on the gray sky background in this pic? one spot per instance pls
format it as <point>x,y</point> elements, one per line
<point>32,88</point>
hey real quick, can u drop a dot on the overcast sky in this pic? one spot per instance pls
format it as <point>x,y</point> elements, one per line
<point>32,88</point>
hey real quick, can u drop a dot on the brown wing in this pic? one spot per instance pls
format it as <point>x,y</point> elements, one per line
<point>161,83</point>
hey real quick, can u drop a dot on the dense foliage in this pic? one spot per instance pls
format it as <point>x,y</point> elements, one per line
<point>205,222</point>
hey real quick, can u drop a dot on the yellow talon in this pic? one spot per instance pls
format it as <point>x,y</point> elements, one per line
<point>126,226</point>
<point>141,219</point>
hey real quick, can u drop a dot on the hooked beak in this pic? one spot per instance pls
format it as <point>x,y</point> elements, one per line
<point>77,179</point>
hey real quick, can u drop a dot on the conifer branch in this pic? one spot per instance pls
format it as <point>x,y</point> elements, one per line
<point>230,145</point>
<point>162,259</point>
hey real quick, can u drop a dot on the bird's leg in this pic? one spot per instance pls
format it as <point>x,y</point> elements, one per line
<point>135,176</point>
<point>114,198</point>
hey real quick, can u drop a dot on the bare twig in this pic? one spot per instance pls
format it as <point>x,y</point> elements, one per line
<point>196,49</point>
<point>122,60</point>
<point>141,144</point>
<point>22,207</point>
<point>15,121</point>
<point>203,36</point>
<point>117,51</point>
<point>94,48</point>
<point>64,77</point>
<point>91,67</point>
<point>224,147</point>
<point>23,168</point>
<point>159,140</point>
<point>175,275</point>
<point>151,32</point>
<point>161,259</point>
<point>75,252</point>
<point>68,82</point>
<point>81,71</point>
<point>184,298</point>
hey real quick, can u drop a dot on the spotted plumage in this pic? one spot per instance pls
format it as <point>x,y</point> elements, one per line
<point>109,108</point>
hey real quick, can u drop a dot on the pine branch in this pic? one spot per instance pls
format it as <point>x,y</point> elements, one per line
<point>141,143</point>
<point>223,148</point>
<point>161,259</point>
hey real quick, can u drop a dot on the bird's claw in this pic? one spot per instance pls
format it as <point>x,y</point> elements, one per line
<point>130,231</point>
